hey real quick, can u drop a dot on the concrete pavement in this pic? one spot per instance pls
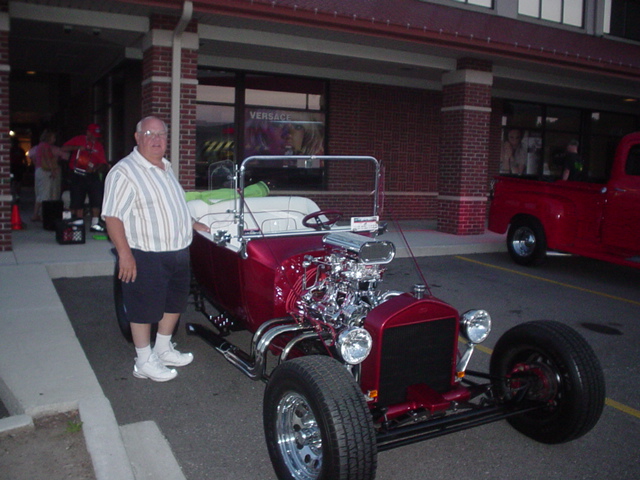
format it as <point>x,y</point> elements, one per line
<point>43,369</point>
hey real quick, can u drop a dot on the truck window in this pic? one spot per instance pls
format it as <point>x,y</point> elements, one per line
<point>633,161</point>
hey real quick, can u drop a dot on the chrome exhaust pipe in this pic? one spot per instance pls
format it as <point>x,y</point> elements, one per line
<point>253,365</point>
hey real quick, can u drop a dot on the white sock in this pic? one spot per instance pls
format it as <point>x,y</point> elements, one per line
<point>143,354</point>
<point>94,221</point>
<point>163,343</point>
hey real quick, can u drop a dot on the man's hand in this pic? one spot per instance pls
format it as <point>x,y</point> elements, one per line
<point>201,227</point>
<point>127,271</point>
<point>127,268</point>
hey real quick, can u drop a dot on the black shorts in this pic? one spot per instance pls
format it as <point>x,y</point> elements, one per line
<point>162,286</point>
<point>82,185</point>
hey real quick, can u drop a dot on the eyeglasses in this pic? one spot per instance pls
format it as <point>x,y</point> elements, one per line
<point>150,134</point>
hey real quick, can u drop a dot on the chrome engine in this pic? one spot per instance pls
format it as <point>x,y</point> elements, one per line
<point>340,288</point>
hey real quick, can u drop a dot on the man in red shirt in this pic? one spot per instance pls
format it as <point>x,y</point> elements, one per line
<point>88,165</point>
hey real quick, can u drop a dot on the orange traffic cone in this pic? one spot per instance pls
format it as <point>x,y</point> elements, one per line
<point>16,222</point>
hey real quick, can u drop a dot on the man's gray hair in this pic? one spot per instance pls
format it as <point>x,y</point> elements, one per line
<point>139,125</point>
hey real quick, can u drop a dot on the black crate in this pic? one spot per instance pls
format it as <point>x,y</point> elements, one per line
<point>51,213</point>
<point>70,232</point>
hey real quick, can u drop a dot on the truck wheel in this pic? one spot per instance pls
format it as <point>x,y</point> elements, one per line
<point>549,362</point>
<point>317,424</point>
<point>526,242</point>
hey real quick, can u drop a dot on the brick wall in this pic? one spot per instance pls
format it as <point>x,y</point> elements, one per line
<point>464,152</point>
<point>399,127</point>
<point>188,120</point>
<point>156,94</point>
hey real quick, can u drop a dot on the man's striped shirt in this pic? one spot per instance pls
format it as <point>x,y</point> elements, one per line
<point>150,202</point>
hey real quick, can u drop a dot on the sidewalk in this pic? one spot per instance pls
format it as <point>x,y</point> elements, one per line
<point>43,369</point>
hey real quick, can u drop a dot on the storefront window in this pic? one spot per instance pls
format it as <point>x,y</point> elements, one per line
<point>215,123</point>
<point>240,115</point>
<point>522,115</point>
<point>535,138</point>
<point>606,130</point>
<point>563,119</point>
<point>606,123</point>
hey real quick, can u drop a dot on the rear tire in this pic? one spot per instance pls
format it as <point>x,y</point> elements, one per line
<point>121,313</point>
<point>527,242</point>
<point>550,363</point>
<point>317,424</point>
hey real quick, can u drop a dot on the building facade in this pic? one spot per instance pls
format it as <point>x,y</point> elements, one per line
<point>445,93</point>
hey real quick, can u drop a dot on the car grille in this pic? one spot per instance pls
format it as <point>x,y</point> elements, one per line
<point>414,354</point>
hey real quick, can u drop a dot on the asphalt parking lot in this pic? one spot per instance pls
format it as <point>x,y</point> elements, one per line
<point>211,414</point>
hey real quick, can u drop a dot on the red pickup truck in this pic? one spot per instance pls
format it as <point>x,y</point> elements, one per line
<point>598,220</point>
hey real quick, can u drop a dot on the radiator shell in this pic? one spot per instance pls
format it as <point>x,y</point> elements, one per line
<point>415,342</point>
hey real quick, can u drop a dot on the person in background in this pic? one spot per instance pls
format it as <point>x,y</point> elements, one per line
<point>17,168</point>
<point>573,165</point>
<point>149,223</point>
<point>45,156</point>
<point>87,163</point>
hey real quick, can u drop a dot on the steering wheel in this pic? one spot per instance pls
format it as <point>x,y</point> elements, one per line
<point>332,217</point>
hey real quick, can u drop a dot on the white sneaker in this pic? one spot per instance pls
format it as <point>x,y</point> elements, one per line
<point>173,358</point>
<point>154,369</point>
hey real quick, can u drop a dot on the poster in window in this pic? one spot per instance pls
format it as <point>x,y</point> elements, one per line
<point>521,152</point>
<point>283,132</point>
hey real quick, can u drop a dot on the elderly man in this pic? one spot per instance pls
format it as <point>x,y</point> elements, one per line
<point>149,223</point>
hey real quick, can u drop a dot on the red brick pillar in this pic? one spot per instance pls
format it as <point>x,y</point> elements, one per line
<point>464,148</point>
<point>156,87</point>
<point>5,142</point>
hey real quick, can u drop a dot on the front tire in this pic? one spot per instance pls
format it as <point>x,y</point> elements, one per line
<point>317,424</point>
<point>527,242</point>
<point>549,362</point>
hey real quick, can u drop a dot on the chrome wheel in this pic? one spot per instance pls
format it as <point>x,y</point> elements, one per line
<point>298,437</point>
<point>524,241</point>
<point>316,422</point>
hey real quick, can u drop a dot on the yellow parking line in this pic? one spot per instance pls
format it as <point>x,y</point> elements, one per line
<point>568,285</point>
<point>607,401</point>
<point>622,407</point>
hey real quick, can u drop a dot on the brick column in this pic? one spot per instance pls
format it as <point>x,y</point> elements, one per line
<point>464,148</point>
<point>156,87</point>
<point>5,142</point>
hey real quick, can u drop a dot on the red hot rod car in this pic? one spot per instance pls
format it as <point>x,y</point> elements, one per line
<point>351,369</point>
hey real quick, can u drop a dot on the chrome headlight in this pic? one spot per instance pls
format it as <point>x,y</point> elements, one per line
<point>475,325</point>
<point>354,345</point>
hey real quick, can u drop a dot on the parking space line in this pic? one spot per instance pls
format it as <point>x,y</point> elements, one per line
<point>622,407</point>
<point>608,401</point>
<point>536,277</point>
